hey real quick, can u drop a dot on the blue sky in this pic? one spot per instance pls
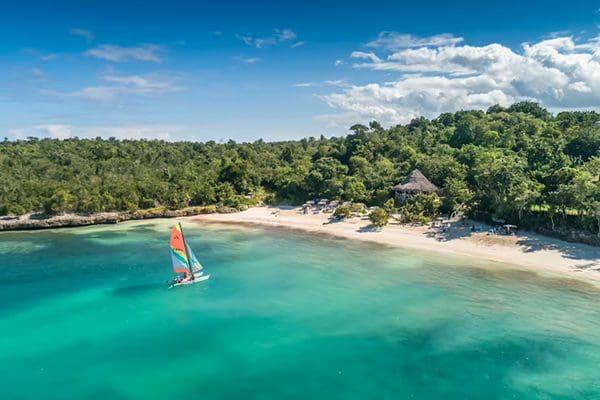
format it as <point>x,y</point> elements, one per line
<point>283,70</point>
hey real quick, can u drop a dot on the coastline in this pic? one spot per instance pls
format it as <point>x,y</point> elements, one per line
<point>530,251</point>
<point>37,221</point>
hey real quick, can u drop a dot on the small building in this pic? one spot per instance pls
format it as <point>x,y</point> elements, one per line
<point>415,183</point>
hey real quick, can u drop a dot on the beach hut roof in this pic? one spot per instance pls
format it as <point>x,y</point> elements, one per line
<point>416,182</point>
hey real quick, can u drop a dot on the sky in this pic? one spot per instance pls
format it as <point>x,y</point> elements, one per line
<point>279,70</point>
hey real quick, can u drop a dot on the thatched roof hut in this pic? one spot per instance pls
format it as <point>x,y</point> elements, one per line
<point>414,183</point>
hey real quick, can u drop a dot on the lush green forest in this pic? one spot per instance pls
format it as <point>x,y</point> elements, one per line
<point>519,164</point>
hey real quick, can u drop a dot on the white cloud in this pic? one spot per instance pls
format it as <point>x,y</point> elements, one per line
<point>41,55</point>
<point>437,75</point>
<point>248,60</point>
<point>368,56</point>
<point>161,132</point>
<point>65,131</point>
<point>395,40</point>
<point>283,35</point>
<point>339,62</point>
<point>87,35</point>
<point>278,36</point>
<point>48,57</point>
<point>297,44</point>
<point>114,53</point>
<point>304,84</point>
<point>143,84</point>
<point>54,131</point>
<point>16,133</point>
<point>98,93</point>
<point>336,82</point>
<point>119,85</point>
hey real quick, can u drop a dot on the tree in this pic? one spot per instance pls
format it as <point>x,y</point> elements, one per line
<point>421,208</point>
<point>585,143</point>
<point>342,212</point>
<point>457,196</point>
<point>59,202</point>
<point>390,206</point>
<point>529,107</point>
<point>379,217</point>
<point>496,108</point>
<point>515,163</point>
<point>595,211</point>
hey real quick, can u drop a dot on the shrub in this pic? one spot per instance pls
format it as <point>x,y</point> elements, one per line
<point>390,206</point>
<point>379,217</point>
<point>342,212</point>
<point>420,209</point>
<point>358,208</point>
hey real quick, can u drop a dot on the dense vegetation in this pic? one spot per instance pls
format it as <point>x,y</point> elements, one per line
<point>519,164</point>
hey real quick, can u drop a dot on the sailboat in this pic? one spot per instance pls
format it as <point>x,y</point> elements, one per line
<point>184,260</point>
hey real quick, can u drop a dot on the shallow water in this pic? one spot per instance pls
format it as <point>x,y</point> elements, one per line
<point>86,313</point>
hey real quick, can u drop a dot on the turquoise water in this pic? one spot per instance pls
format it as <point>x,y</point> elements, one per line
<point>85,313</point>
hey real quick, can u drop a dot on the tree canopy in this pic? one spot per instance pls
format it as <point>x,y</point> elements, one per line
<point>519,164</point>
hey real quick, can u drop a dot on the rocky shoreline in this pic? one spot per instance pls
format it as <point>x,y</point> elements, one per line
<point>40,221</point>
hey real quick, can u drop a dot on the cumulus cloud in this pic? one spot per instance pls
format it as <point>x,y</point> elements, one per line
<point>114,53</point>
<point>278,36</point>
<point>438,74</point>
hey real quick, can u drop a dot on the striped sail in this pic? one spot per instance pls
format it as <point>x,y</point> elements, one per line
<point>178,251</point>
<point>196,266</point>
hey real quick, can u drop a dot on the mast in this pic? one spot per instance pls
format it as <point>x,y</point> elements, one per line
<point>185,249</point>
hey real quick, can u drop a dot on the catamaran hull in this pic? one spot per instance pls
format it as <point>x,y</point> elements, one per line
<point>197,279</point>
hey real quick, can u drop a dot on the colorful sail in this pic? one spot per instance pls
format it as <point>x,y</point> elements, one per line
<point>179,254</point>
<point>196,266</point>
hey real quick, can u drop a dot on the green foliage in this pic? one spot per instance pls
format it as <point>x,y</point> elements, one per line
<point>358,208</point>
<point>457,196</point>
<point>342,212</point>
<point>390,206</point>
<point>520,164</point>
<point>530,108</point>
<point>379,217</point>
<point>421,208</point>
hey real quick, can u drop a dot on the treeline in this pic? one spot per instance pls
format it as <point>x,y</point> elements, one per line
<point>519,164</point>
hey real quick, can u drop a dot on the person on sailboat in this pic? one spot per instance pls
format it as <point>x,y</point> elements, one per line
<point>185,264</point>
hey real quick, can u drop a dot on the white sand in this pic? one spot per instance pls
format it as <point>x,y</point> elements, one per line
<point>532,251</point>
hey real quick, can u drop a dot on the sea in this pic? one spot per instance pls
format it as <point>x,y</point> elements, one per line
<point>87,313</point>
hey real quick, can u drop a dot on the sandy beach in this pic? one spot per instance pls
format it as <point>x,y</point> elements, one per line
<point>527,250</point>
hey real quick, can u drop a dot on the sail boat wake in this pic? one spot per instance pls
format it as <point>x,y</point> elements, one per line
<point>186,267</point>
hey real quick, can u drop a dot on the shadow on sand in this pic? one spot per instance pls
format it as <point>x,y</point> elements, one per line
<point>528,242</point>
<point>368,228</point>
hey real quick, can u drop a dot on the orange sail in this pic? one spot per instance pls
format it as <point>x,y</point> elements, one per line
<point>179,256</point>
